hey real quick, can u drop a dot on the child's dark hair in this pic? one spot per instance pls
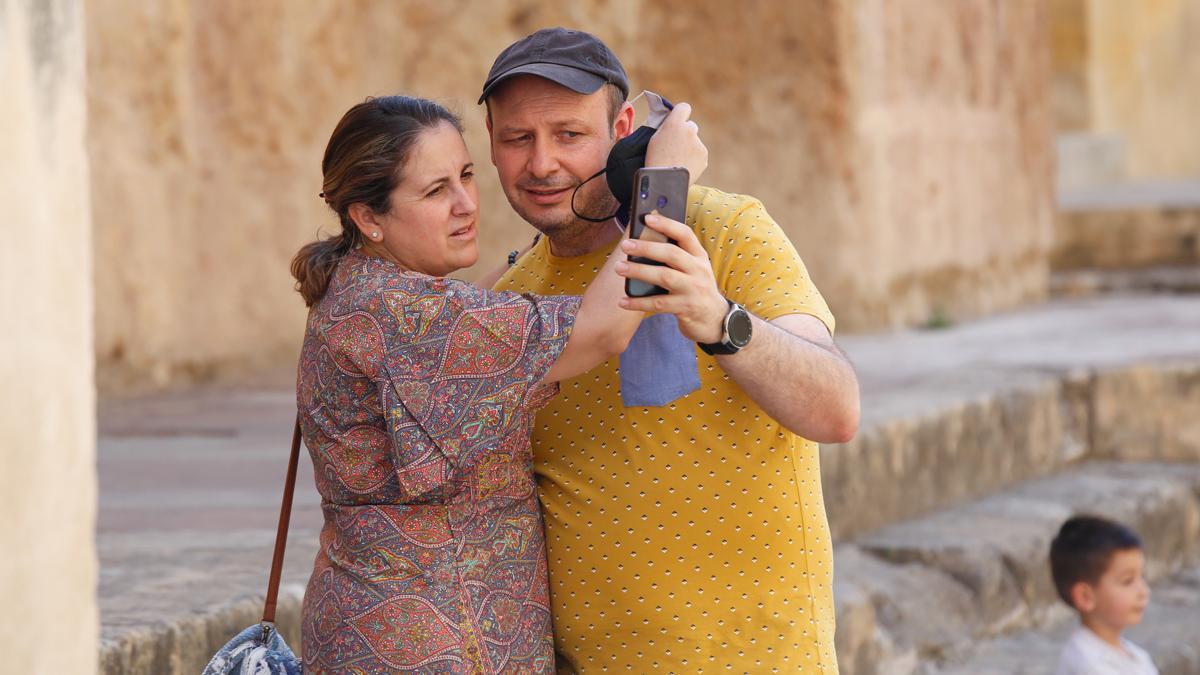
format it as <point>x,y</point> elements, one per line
<point>1083,549</point>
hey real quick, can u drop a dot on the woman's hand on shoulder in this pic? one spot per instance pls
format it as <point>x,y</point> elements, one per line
<point>677,143</point>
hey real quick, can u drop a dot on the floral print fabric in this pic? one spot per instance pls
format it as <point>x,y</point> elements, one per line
<point>416,397</point>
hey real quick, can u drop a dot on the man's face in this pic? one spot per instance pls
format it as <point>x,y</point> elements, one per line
<point>546,140</point>
<point>1119,599</point>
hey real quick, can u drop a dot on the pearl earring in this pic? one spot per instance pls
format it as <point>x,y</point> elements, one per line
<point>374,235</point>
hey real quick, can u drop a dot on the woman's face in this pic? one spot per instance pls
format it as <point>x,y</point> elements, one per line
<point>433,224</point>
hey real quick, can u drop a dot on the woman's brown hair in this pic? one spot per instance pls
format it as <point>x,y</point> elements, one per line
<point>363,163</point>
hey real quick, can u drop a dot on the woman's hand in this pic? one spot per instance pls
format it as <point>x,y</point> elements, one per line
<point>693,296</point>
<point>677,143</point>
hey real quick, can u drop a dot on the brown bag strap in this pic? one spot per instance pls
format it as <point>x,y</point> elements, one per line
<point>285,514</point>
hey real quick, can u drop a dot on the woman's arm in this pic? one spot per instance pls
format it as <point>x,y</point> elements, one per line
<point>602,329</point>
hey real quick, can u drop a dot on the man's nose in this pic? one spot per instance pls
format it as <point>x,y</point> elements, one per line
<point>543,161</point>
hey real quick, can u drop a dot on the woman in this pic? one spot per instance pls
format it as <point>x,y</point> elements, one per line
<point>416,395</point>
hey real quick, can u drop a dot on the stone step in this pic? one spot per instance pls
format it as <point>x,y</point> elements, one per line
<point>1128,225</point>
<point>1169,632</point>
<point>1088,282</point>
<point>960,413</point>
<point>170,601</point>
<point>1164,194</point>
<point>190,481</point>
<point>926,590</point>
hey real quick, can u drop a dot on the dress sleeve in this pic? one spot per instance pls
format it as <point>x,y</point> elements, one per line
<point>467,360</point>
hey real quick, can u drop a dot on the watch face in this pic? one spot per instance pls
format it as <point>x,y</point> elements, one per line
<point>739,327</point>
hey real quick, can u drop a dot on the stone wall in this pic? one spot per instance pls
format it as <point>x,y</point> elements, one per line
<point>952,188</point>
<point>1129,70</point>
<point>49,622</point>
<point>1069,64</point>
<point>905,148</point>
<point>1145,77</point>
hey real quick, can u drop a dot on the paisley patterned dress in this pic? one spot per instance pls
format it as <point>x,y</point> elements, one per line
<point>416,397</point>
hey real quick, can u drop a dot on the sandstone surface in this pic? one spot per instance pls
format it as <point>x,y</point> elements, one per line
<point>913,175</point>
<point>48,572</point>
<point>939,588</point>
<point>1136,236</point>
<point>1128,70</point>
<point>1168,632</point>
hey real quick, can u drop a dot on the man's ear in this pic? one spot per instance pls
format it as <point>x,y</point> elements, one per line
<point>1083,596</point>
<point>623,124</point>
<point>364,219</point>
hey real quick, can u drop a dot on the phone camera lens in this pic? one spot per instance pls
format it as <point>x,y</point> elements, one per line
<point>662,201</point>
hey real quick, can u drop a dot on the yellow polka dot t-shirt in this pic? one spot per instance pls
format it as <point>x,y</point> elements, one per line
<point>689,537</point>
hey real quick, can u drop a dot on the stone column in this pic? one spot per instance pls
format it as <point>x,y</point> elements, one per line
<point>49,622</point>
<point>1144,82</point>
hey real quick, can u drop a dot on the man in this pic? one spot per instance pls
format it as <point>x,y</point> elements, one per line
<point>685,524</point>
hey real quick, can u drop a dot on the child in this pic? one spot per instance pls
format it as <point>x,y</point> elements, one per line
<point>1097,569</point>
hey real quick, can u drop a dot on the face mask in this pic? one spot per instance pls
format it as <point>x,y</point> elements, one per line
<point>626,157</point>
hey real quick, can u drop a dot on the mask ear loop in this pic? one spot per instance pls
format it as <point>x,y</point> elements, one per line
<point>588,218</point>
<point>595,176</point>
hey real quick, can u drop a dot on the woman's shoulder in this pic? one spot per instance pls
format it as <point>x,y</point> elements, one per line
<point>361,279</point>
<point>364,284</point>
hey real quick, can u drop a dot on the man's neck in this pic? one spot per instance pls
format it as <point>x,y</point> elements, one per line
<point>583,242</point>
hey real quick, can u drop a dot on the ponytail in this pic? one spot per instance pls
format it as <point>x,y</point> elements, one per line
<point>315,263</point>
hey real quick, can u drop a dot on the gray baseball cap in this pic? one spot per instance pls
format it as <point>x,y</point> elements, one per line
<point>575,59</point>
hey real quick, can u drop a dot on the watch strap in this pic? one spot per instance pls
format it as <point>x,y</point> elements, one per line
<point>724,346</point>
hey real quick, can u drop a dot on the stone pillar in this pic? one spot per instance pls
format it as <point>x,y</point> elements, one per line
<point>49,621</point>
<point>1144,73</point>
<point>1128,72</point>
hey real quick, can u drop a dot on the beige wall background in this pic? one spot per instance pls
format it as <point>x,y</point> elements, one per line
<point>49,620</point>
<point>913,175</point>
<point>1126,69</point>
<point>950,190</point>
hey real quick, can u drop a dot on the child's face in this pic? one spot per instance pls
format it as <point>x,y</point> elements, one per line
<point>1120,597</point>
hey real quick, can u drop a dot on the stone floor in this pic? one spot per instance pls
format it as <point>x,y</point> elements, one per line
<point>190,481</point>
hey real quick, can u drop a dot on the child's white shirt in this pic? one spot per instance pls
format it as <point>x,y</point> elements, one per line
<point>1086,654</point>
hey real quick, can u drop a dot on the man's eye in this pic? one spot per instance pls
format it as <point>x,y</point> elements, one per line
<point>571,134</point>
<point>468,175</point>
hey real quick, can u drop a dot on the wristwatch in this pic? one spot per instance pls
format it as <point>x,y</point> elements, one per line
<point>736,334</point>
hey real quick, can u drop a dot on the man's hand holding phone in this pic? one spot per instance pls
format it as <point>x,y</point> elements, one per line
<point>684,271</point>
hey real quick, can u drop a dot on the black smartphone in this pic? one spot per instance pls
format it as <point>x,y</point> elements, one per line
<point>661,189</point>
